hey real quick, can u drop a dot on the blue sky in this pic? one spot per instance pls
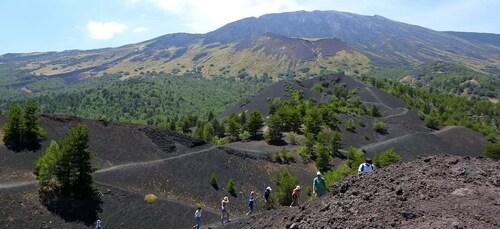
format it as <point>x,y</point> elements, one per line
<point>56,25</point>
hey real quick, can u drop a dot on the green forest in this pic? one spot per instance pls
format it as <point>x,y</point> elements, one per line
<point>442,77</point>
<point>151,99</point>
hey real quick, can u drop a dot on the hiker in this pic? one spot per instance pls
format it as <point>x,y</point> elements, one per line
<point>197,218</point>
<point>224,210</point>
<point>267,193</point>
<point>98,224</point>
<point>295,196</point>
<point>250,202</point>
<point>319,185</point>
<point>366,167</point>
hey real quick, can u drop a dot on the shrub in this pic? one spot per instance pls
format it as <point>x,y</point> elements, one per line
<point>386,158</point>
<point>150,198</point>
<point>338,174</point>
<point>284,156</point>
<point>285,182</point>
<point>213,181</point>
<point>354,158</point>
<point>305,153</point>
<point>230,187</point>
<point>292,137</point>
<point>379,126</point>
<point>323,157</point>
<point>349,125</point>
<point>374,111</point>
<point>244,136</point>
<point>492,150</point>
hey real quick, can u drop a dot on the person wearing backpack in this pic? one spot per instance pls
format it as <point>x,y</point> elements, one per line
<point>366,167</point>
<point>319,185</point>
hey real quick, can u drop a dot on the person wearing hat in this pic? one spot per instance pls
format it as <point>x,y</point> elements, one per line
<point>224,210</point>
<point>319,185</point>
<point>250,202</point>
<point>366,167</point>
<point>98,224</point>
<point>267,193</point>
<point>295,196</point>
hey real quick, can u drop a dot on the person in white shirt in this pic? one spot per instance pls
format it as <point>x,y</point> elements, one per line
<point>197,218</point>
<point>366,167</point>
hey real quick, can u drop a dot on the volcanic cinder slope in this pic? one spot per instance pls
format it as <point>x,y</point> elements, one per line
<point>406,134</point>
<point>132,161</point>
<point>433,192</point>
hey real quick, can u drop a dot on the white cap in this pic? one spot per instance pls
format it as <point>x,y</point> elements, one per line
<point>318,173</point>
<point>269,188</point>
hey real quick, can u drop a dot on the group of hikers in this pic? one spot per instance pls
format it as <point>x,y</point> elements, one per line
<point>319,190</point>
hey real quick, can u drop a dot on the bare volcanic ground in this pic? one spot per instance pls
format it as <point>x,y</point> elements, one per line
<point>434,192</point>
<point>119,209</point>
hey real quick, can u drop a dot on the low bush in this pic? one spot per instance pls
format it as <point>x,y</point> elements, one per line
<point>150,198</point>
<point>386,158</point>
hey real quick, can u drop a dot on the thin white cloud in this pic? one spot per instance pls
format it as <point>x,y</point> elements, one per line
<point>104,30</point>
<point>204,16</point>
<point>139,30</point>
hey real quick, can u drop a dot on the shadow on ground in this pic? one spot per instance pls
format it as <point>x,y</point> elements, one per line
<point>71,209</point>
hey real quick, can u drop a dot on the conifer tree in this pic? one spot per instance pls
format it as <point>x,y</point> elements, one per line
<point>73,168</point>
<point>13,128</point>
<point>254,123</point>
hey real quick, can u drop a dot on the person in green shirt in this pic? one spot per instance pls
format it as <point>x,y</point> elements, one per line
<point>319,185</point>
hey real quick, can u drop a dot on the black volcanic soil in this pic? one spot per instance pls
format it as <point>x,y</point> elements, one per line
<point>120,209</point>
<point>433,192</point>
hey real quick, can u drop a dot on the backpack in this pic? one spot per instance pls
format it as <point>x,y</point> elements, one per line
<point>363,167</point>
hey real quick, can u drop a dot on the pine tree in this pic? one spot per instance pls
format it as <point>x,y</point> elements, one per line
<point>32,130</point>
<point>254,123</point>
<point>45,164</point>
<point>312,121</point>
<point>273,133</point>
<point>323,157</point>
<point>230,187</point>
<point>74,168</point>
<point>213,181</point>
<point>13,128</point>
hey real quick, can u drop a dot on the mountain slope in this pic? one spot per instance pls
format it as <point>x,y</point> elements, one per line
<point>277,45</point>
<point>383,40</point>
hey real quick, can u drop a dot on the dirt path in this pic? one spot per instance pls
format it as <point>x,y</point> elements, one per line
<point>154,161</point>
<point>377,98</point>
<point>446,128</point>
<point>387,141</point>
<point>15,184</point>
<point>405,110</point>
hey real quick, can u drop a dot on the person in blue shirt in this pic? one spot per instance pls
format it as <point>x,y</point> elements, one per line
<point>251,200</point>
